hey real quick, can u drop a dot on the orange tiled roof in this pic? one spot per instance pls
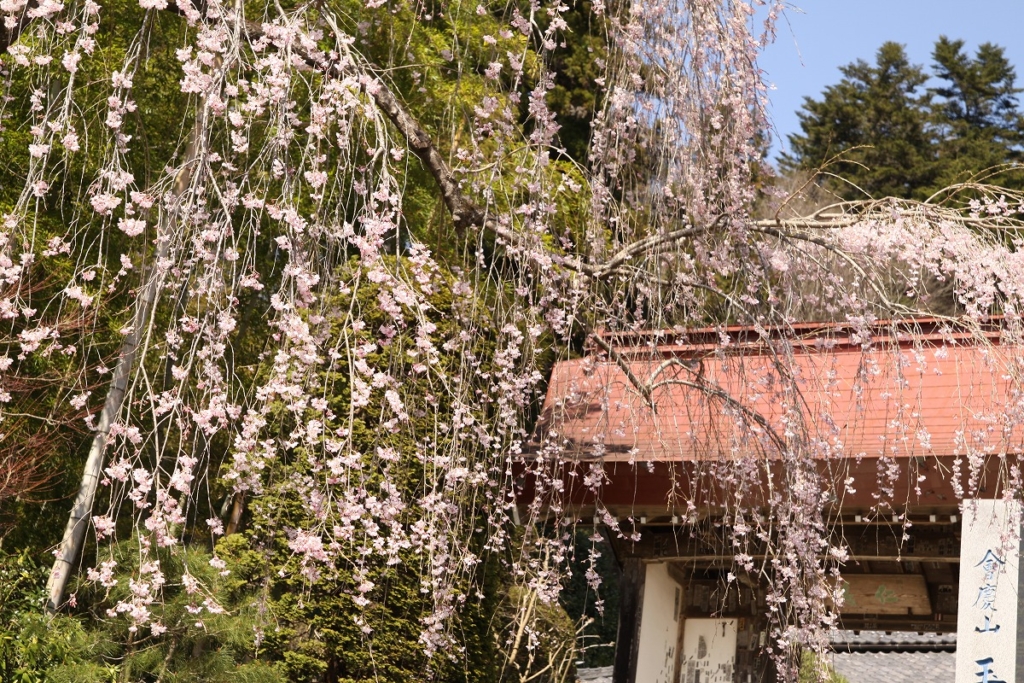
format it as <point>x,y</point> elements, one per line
<point>922,393</point>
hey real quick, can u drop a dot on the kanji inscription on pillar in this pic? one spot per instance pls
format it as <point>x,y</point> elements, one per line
<point>989,577</point>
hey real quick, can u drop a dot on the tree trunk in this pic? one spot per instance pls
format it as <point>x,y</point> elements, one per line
<point>78,522</point>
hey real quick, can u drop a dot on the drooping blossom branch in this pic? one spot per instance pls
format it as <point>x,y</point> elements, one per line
<point>273,287</point>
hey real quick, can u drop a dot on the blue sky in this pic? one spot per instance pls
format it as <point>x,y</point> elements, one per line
<point>814,41</point>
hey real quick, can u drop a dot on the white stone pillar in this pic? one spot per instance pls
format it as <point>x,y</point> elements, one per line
<point>987,611</point>
<point>659,626</point>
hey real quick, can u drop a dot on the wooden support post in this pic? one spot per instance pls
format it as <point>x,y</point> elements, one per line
<point>631,599</point>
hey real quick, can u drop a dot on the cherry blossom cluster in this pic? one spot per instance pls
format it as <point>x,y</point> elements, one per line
<point>284,213</point>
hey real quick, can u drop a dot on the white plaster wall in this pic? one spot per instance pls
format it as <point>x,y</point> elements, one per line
<point>659,626</point>
<point>709,651</point>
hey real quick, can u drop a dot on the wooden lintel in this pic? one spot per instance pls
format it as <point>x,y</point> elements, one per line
<point>939,543</point>
<point>680,576</point>
<point>727,560</point>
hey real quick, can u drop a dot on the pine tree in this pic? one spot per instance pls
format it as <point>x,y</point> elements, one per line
<point>884,132</point>
<point>977,122</point>
<point>874,125</point>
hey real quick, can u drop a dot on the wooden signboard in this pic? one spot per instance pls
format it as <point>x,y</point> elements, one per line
<point>885,594</point>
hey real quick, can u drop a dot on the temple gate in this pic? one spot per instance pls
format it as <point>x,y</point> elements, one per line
<point>894,426</point>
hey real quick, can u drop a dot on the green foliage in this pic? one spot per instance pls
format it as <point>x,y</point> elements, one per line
<point>542,642</point>
<point>578,68</point>
<point>42,384</point>
<point>33,646</point>
<point>884,133</point>
<point>317,630</point>
<point>597,611</point>
<point>199,644</point>
<point>814,670</point>
<point>277,625</point>
<point>875,120</point>
<point>976,119</point>
<point>207,637</point>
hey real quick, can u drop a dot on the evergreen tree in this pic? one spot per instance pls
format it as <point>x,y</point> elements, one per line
<point>883,132</point>
<point>977,122</point>
<point>874,122</point>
